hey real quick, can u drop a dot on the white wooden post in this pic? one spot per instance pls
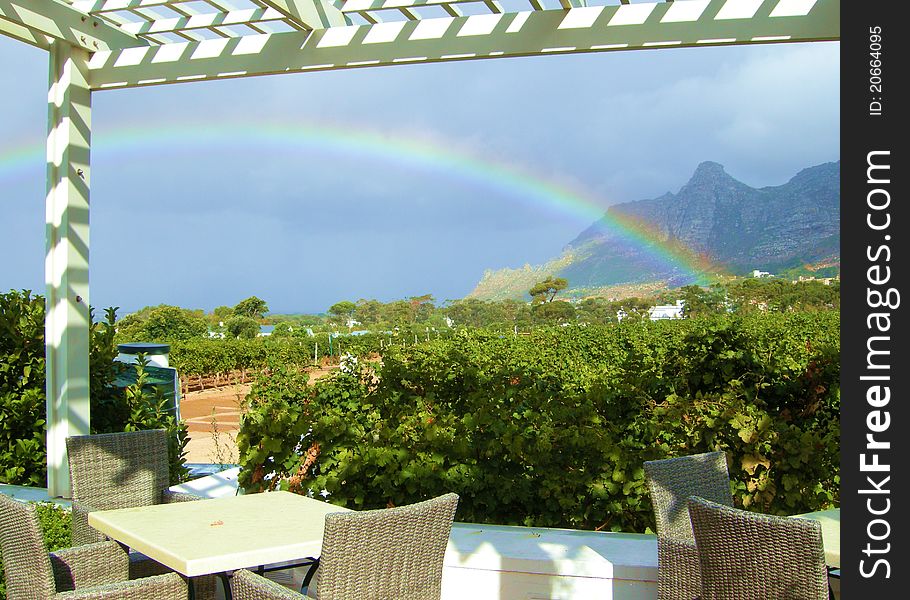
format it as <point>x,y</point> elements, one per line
<point>66,259</point>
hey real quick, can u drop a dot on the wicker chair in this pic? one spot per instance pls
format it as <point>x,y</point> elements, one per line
<point>671,482</point>
<point>749,556</point>
<point>373,554</point>
<point>123,470</point>
<point>97,571</point>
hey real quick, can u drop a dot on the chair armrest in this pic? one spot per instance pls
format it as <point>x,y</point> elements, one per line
<point>83,533</point>
<point>89,565</point>
<point>168,496</point>
<point>160,587</point>
<point>246,585</point>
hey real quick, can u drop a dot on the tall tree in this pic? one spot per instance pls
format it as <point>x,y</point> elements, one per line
<point>173,323</point>
<point>368,312</point>
<point>556,313</point>
<point>343,310</point>
<point>398,313</point>
<point>242,327</point>
<point>165,324</point>
<point>423,306</point>
<point>252,307</point>
<point>221,314</point>
<point>546,290</point>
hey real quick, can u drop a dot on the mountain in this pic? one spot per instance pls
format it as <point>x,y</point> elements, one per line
<point>713,224</point>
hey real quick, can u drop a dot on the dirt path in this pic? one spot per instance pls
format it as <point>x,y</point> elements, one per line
<point>213,419</point>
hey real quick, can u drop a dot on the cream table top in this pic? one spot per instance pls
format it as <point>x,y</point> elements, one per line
<point>830,522</point>
<point>221,534</point>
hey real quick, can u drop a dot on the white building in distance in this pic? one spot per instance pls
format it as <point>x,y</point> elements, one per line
<point>667,311</point>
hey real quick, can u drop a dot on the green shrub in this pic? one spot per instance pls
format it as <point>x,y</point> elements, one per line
<point>23,450</point>
<point>22,396</point>
<point>551,429</point>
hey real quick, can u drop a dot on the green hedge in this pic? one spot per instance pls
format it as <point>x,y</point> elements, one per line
<point>23,447</point>
<point>551,429</point>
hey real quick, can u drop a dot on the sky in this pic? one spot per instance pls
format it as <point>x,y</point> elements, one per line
<point>392,182</point>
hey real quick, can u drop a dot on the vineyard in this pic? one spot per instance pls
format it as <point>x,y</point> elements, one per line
<point>204,363</point>
<point>545,428</point>
<point>551,429</point>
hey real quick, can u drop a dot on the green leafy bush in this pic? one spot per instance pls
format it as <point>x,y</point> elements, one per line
<point>23,450</point>
<point>551,429</point>
<point>22,396</point>
<point>148,408</point>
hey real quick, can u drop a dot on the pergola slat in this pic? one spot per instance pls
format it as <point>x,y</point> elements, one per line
<point>24,34</point>
<point>204,21</point>
<point>357,6</point>
<point>310,14</point>
<point>591,29</point>
<point>61,21</point>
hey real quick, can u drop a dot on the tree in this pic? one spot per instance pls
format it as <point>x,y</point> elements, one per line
<point>162,323</point>
<point>554,312</point>
<point>368,312</point>
<point>470,312</point>
<point>252,307</point>
<point>282,330</point>
<point>423,307</point>
<point>221,314</point>
<point>596,310</point>
<point>703,302</point>
<point>398,313</point>
<point>172,323</point>
<point>343,310</point>
<point>546,290</point>
<point>242,327</point>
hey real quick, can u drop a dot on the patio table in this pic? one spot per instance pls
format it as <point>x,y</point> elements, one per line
<point>222,534</point>
<point>830,522</point>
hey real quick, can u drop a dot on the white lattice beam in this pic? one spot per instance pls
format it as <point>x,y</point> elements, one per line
<point>23,34</point>
<point>59,20</point>
<point>310,14</point>
<point>356,6</point>
<point>112,5</point>
<point>250,17</point>
<point>361,6</point>
<point>592,29</point>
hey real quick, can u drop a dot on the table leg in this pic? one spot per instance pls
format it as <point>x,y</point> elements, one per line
<point>225,581</point>
<point>191,587</point>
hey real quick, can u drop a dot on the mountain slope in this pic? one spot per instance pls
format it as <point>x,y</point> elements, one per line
<point>714,221</point>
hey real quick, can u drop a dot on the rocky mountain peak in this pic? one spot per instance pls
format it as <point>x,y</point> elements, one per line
<point>736,227</point>
<point>708,169</point>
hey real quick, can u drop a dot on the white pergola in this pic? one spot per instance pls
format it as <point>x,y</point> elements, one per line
<point>108,44</point>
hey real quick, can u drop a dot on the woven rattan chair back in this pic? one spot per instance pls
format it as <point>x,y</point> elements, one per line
<point>29,574</point>
<point>118,470</point>
<point>749,556</point>
<point>671,482</point>
<point>387,553</point>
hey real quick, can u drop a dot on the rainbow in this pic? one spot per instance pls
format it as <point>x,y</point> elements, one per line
<point>127,142</point>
